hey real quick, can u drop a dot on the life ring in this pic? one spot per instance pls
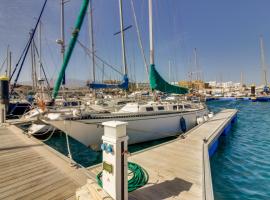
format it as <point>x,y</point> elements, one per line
<point>183,124</point>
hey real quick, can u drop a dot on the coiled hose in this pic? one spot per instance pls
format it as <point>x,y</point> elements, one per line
<point>139,177</point>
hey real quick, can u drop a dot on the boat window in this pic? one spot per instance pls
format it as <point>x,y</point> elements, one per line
<point>174,107</point>
<point>187,106</point>
<point>121,103</point>
<point>149,109</point>
<point>73,103</point>
<point>180,107</point>
<point>160,107</point>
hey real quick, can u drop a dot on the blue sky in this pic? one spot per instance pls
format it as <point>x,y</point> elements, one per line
<point>225,33</point>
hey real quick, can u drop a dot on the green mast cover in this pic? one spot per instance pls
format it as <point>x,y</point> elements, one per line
<point>158,83</point>
<point>71,46</point>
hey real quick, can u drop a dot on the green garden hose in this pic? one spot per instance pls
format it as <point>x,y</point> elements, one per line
<point>139,177</point>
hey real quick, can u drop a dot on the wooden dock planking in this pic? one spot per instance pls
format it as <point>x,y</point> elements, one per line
<point>31,170</point>
<point>180,169</point>
<point>183,169</point>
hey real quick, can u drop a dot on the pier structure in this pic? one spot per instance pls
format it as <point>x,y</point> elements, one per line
<point>180,169</point>
<point>29,169</point>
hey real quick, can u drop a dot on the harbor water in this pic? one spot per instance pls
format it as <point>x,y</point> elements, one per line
<point>240,167</point>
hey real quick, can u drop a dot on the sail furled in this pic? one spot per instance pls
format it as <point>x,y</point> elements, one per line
<point>158,83</point>
<point>71,46</point>
<point>123,85</point>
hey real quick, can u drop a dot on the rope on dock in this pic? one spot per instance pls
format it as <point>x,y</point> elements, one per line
<point>44,133</point>
<point>45,140</point>
<point>140,177</point>
<point>68,146</point>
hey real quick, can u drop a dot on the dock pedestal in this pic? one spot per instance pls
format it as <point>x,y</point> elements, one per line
<point>114,166</point>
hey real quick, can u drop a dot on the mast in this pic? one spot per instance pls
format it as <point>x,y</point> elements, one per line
<point>9,68</point>
<point>62,42</point>
<point>152,61</point>
<point>263,65</point>
<point>122,37</point>
<point>32,64</point>
<point>40,61</point>
<point>91,34</point>
<point>7,59</point>
<point>196,64</point>
<point>170,71</point>
<point>242,79</point>
<point>151,39</point>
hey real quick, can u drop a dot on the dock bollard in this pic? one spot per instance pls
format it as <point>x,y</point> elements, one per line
<point>114,165</point>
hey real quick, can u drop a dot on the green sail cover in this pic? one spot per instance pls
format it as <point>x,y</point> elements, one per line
<point>70,47</point>
<point>158,83</point>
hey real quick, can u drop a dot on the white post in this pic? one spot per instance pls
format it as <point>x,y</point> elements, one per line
<point>114,174</point>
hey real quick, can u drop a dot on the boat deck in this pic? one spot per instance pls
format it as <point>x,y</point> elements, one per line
<point>31,170</point>
<point>180,169</point>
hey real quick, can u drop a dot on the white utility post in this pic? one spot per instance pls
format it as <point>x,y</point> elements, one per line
<point>115,169</point>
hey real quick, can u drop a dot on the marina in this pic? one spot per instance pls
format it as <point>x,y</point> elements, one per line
<point>134,100</point>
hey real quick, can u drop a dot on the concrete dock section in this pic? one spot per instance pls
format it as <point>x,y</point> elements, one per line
<point>30,170</point>
<point>180,169</point>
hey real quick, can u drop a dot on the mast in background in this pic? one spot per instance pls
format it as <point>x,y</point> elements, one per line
<point>62,42</point>
<point>40,55</point>
<point>10,62</point>
<point>170,71</point>
<point>263,64</point>
<point>91,34</point>
<point>7,61</point>
<point>196,64</point>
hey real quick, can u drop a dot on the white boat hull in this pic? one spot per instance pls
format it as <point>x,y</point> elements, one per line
<point>139,129</point>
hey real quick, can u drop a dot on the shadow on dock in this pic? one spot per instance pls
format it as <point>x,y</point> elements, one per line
<point>166,189</point>
<point>20,147</point>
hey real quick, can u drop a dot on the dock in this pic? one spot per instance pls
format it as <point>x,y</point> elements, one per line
<point>180,169</point>
<point>29,169</point>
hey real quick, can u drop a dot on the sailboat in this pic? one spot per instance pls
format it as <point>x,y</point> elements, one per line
<point>146,121</point>
<point>263,96</point>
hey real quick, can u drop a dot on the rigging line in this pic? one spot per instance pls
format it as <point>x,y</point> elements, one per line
<point>45,76</point>
<point>17,64</point>
<point>50,53</point>
<point>100,69</point>
<point>139,38</point>
<point>26,51</point>
<point>3,64</point>
<point>106,74</point>
<point>99,58</point>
